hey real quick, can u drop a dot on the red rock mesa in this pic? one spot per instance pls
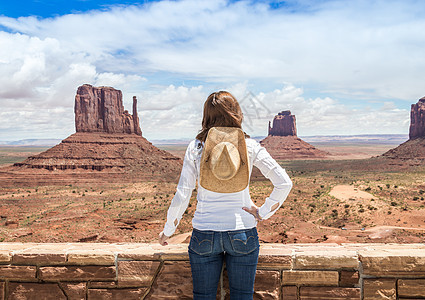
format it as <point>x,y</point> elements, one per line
<point>283,143</point>
<point>108,141</point>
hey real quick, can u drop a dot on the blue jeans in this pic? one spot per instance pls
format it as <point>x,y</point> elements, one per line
<point>207,251</point>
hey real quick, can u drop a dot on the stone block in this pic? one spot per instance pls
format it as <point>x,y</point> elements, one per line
<point>329,293</point>
<point>108,247</point>
<point>381,288</point>
<point>272,258</point>
<point>45,247</point>
<point>17,272</point>
<point>74,291</point>
<point>90,257</point>
<point>289,292</point>
<point>78,273</point>
<point>5,256</point>
<point>155,252</point>
<point>267,284</point>
<point>15,246</point>
<point>2,288</point>
<point>116,294</point>
<point>348,278</point>
<point>174,281</point>
<point>35,291</point>
<point>329,278</point>
<point>325,259</point>
<point>39,258</point>
<point>411,288</point>
<point>102,284</point>
<point>142,252</point>
<point>393,262</point>
<point>171,252</point>
<point>137,273</point>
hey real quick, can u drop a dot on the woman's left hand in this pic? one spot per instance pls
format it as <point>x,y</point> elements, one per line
<point>162,239</point>
<point>253,210</point>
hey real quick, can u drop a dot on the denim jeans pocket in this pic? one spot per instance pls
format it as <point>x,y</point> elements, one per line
<point>201,242</point>
<point>244,241</point>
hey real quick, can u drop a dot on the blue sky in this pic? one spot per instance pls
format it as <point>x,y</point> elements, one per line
<point>342,67</point>
<point>53,8</point>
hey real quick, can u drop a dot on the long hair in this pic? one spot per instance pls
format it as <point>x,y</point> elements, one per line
<point>221,109</point>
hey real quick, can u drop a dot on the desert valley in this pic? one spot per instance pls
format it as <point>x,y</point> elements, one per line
<point>107,183</point>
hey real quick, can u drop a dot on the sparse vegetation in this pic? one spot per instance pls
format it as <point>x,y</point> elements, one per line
<point>136,212</point>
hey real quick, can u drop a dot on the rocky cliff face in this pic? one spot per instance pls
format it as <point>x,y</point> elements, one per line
<point>417,119</point>
<point>283,124</point>
<point>100,109</point>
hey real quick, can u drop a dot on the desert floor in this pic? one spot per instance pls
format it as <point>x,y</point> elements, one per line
<point>335,200</point>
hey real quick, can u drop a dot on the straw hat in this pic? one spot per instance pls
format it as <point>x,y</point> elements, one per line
<point>224,162</point>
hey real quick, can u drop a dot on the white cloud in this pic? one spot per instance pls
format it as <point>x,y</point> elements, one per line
<point>320,116</point>
<point>174,112</point>
<point>315,116</point>
<point>363,46</point>
<point>362,50</point>
<point>38,81</point>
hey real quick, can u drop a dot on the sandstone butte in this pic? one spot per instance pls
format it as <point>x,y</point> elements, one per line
<point>282,141</point>
<point>100,109</point>
<point>108,143</point>
<point>413,150</point>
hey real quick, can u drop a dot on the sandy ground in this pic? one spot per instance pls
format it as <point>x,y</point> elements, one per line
<point>339,152</point>
<point>349,192</point>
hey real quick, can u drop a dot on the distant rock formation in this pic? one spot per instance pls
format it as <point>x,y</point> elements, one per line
<point>108,145</point>
<point>283,143</point>
<point>417,120</point>
<point>100,109</point>
<point>412,150</point>
<point>283,124</point>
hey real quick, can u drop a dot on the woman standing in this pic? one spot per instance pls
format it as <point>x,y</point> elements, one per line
<point>224,225</point>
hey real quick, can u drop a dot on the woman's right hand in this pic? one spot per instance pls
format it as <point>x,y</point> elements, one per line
<point>162,239</point>
<point>253,210</point>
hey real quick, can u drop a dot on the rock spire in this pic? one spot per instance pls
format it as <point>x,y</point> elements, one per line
<point>417,120</point>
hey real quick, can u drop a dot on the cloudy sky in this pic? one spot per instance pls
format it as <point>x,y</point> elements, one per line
<point>342,67</point>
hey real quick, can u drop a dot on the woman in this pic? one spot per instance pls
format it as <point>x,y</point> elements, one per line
<point>224,223</point>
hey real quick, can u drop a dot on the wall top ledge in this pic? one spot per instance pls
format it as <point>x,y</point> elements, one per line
<point>154,248</point>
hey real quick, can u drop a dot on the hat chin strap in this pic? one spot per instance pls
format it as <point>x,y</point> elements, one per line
<point>226,166</point>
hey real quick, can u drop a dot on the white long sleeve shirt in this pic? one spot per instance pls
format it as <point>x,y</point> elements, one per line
<point>223,211</point>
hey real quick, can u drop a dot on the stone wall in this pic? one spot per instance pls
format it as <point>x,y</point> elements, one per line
<point>150,271</point>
